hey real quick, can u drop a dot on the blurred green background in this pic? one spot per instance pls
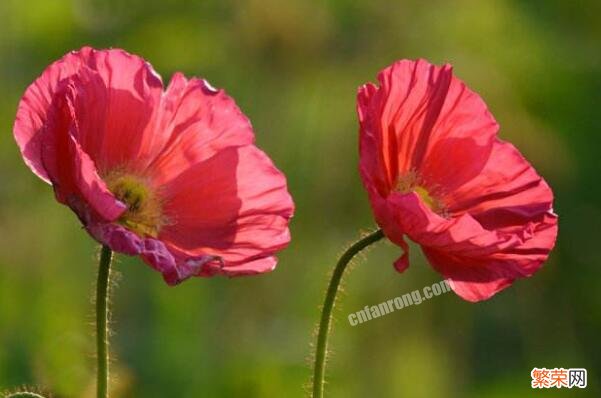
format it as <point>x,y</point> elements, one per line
<point>293,67</point>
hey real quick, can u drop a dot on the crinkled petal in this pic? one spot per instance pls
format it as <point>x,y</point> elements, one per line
<point>251,267</point>
<point>464,251</point>
<point>477,278</point>
<point>506,182</point>
<point>117,97</point>
<point>234,206</point>
<point>372,164</point>
<point>33,109</point>
<point>70,169</point>
<point>385,214</point>
<point>174,267</point>
<point>217,266</point>
<point>402,263</point>
<point>422,118</point>
<point>198,121</point>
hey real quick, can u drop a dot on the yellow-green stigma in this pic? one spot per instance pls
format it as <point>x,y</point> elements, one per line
<point>144,210</point>
<point>425,196</point>
<point>411,182</point>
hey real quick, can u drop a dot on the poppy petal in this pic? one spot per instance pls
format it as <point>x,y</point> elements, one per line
<point>117,102</point>
<point>33,109</point>
<point>70,169</point>
<point>114,81</point>
<point>174,267</point>
<point>507,181</point>
<point>477,278</point>
<point>199,121</point>
<point>464,251</point>
<point>234,205</point>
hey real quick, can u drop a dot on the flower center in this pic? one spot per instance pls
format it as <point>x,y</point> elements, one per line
<point>412,182</point>
<point>425,196</point>
<point>144,209</point>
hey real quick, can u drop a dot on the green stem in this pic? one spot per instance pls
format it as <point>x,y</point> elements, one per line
<point>328,305</point>
<point>102,292</point>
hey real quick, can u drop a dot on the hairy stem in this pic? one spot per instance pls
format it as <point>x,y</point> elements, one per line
<point>328,305</point>
<point>102,293</point>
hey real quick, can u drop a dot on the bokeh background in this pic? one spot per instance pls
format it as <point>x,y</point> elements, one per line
<point>293,67</point>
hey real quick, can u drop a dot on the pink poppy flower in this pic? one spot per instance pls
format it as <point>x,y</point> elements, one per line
<point>170,175</point>
<point>436,172</point>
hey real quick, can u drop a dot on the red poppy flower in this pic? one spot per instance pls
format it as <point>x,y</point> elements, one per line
<point>170,175</point>
<point>437,173</point>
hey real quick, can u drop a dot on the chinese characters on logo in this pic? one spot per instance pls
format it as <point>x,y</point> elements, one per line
<point>558,378</point>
